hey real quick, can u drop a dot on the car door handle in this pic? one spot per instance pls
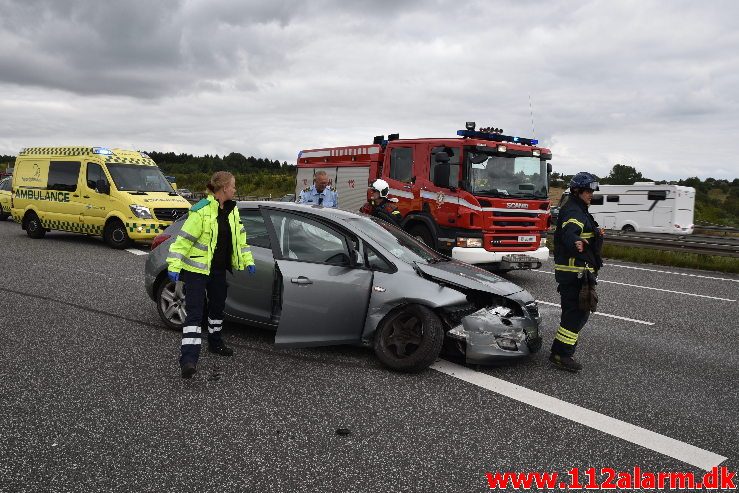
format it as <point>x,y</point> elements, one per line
<point>301,280</point>
<point>75,195</point>
<point>85,196</point>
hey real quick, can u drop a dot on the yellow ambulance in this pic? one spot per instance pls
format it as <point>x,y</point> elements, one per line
<point>118,194</point>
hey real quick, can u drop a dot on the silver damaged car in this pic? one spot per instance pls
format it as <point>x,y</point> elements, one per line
<point>330,277</point>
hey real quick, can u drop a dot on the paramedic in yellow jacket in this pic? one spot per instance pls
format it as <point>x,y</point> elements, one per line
<point>211,241</point>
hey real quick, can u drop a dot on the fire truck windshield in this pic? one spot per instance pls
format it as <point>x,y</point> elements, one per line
<point>505,176</point>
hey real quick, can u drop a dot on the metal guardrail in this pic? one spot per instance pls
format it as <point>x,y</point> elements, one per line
<point>701,244</point>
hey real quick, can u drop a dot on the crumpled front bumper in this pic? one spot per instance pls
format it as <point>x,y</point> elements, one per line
<point>488,337</point>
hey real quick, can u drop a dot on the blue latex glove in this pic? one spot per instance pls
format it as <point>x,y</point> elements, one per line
<point>173,276</point>
<point>252,270</point>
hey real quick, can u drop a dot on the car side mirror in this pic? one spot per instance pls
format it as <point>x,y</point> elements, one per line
<point>549,167</point>
<point>102,186</point>
<point>442,173</point>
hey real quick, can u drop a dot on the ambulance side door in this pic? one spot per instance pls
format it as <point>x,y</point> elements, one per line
<point>96,203</point>
<point>65,207</point>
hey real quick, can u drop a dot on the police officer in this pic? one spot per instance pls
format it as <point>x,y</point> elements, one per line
<point>319,193</point>
<point>380,206</point>
<point>577,246</point>
<point>211,241</point>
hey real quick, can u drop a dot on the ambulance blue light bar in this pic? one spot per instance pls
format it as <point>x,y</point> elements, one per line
<point>102,150</point>
<point>472,134</point>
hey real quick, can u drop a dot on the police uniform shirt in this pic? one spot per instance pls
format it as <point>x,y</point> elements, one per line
<point>328,198</point>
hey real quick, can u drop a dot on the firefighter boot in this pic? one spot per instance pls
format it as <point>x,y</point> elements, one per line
<point>565,362</point>
<point>188,370</point>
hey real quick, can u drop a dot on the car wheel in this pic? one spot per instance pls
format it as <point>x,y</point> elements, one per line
<point>34,228</point>
<point>410,340</point>
<point>628,228</point>
<point>171,304</point>
<point>422,234</point>
<point>4,216</point>
<point>115,235</point>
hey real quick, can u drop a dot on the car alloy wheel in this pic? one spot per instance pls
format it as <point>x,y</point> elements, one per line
<point>171,304</point>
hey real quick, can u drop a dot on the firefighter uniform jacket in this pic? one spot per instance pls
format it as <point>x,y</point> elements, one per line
<point>575,223</point>
<point>383,209</point>
<point>196,241</point>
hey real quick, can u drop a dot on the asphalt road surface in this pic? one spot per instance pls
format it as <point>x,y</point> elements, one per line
<point>91,397</point>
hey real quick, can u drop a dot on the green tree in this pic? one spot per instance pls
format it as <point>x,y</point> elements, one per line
<point>622,174</point>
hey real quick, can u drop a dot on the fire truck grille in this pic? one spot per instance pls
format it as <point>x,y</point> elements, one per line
<point>170,214</point>
<point>512,214</point>
<point>519,224</point>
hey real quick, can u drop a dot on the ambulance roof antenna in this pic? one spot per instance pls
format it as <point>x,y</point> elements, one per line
<point>531,109</point>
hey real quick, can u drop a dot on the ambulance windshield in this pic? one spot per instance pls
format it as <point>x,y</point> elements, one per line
<point>138,178</point>
<point>506,176</point>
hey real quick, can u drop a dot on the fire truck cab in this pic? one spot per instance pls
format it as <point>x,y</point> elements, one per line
<point>482,195</point>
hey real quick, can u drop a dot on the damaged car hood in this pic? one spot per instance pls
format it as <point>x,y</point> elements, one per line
<point>468,276</point>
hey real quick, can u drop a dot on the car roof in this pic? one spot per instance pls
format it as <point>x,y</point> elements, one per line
<point>327,212</point>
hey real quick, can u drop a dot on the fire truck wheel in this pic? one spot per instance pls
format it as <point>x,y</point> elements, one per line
<point>421,233</point>
<point>410,339</point>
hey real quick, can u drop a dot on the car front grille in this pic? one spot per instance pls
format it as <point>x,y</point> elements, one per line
<point>170,214</point>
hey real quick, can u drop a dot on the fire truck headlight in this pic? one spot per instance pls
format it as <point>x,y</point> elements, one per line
<point>469,242</point>
<point>536,152</point>
<point>502,148</point>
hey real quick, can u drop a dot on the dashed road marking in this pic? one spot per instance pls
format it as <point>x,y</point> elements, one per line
<point>662,444</point>
<point>644,322</point>
<point>673,273</point>
<point>136,251</point>
<point>648,287</point>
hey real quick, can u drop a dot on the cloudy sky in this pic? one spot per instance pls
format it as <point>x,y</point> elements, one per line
<point>651,84</point>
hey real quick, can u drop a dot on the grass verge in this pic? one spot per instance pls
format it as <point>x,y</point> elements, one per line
<point>673,259</point>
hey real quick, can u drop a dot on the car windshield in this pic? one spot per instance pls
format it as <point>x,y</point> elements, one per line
<point>400,244</point>
<point>138,178</point>
<point>506,176</point>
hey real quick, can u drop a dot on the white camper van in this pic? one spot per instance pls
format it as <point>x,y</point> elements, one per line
<point>645,207</point>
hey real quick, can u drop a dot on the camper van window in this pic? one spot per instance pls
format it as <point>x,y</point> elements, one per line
<point>597,200</point>
<point>63,175</point>
<point>612,198</point>
<point>657,195</point>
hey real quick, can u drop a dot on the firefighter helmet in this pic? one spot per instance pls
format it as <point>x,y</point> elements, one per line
<point>584,181</point>
<point>381,186</point>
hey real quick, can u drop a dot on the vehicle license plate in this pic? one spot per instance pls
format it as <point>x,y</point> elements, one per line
<point>526,239</point>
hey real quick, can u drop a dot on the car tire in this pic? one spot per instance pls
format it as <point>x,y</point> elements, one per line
<point>115,235</point>
<point>34,228</point>
<point>422,234</point>
<point>4,216</point>
<point>410,339</point>
<point>170,298</point>
<point>628,228</point>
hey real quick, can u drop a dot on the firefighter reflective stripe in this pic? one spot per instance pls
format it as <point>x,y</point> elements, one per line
<point>187,236</point>
<point>572,268</point>
<point>587,235</point>
<point>575,222</point>
<point>200,246</point>
<point>566,336</point>
<point>214,325</point>
<point>191,341</point>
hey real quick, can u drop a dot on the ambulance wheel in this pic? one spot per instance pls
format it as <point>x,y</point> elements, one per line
<point>422,234</point>
<point>410,339</point>
<point>171,304</point>
<point>4,216</point>
<point>115,235</point>
<point>34,228</point>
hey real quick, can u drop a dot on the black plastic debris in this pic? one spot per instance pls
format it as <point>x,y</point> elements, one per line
<point>343,431</point>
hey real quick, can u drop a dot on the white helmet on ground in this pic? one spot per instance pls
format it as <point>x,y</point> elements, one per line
<point>381,186</point>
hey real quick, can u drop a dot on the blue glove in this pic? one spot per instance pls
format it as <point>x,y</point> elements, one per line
<point>173,276</point>
<point>252,270</point>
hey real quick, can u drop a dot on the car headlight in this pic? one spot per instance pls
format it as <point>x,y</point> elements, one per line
<point>469,242</point>
<point>141,211</point>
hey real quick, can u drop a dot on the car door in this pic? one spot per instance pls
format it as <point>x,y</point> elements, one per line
<point>323,297</point>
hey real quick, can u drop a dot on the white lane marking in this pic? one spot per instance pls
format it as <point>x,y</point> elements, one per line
<point>136,251</point>
<point>653,289</point>
<point>674,273</point>
<point>662,444</point>
<point>604,314</point>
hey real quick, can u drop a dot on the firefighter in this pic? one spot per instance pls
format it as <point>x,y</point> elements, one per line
<point>319,193</point>
<point>577,259</point>
<point>211,241</point>
<point>380,205</point>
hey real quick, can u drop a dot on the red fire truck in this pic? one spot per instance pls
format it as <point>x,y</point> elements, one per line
<point>483,195</point>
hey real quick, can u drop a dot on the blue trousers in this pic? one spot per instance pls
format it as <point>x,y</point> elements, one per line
<point>202,291</point>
